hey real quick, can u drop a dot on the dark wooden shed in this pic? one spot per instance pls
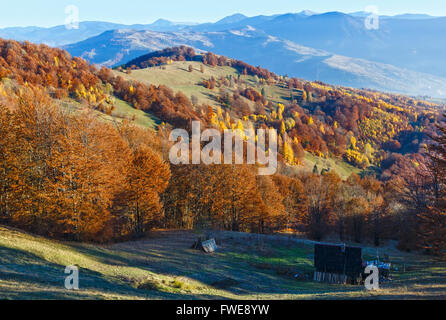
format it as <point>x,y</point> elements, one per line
<point>337,263</point>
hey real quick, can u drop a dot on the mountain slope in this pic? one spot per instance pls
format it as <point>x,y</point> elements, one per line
<point>116,47</point>
<point>406,41</point>
<point>258,48</point>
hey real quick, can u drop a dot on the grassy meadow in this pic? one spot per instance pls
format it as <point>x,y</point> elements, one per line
<point>163,266</point>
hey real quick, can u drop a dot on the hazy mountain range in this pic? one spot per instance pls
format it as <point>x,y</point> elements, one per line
<point>405,54</point>
<point>60,35</point>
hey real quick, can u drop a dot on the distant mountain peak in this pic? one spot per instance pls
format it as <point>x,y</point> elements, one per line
<point>307,13</point>
<point>232,19</point>
<point>163,23</point>
<point>360,14</point>
<point>333,14</point>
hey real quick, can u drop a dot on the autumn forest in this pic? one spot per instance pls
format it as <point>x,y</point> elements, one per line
<point>66,173</point>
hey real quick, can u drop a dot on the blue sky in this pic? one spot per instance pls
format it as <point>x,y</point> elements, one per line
<point>52,12</point>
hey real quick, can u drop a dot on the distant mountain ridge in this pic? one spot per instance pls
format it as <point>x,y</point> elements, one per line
<point>59,35</point>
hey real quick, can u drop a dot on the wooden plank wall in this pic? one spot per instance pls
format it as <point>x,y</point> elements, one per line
<point>332,278</point>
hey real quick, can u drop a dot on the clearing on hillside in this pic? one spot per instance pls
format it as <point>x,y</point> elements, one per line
<point>177,76</point>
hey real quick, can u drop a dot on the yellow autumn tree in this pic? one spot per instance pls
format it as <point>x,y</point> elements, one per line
<point>310,121</point>
<point>288,153</point>
<point>282,128</point>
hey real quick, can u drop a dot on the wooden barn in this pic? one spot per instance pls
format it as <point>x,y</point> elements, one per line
<point>337,264</point>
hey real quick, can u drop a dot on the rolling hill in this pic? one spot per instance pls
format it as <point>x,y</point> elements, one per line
<point>178,77</point>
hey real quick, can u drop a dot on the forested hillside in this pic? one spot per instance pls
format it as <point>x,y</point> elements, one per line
<point>363,127</point>
<point>72,175</point>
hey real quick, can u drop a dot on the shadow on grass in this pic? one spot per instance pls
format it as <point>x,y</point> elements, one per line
<point>239,267</point>
<point>31,277</point>
<point>231,268</point>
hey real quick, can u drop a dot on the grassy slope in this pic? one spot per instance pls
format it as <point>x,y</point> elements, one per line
<point>245,267</point>
<point>143,119</point>
<point>177,77</point>
<point>343,169</point>
<point>122,111</point>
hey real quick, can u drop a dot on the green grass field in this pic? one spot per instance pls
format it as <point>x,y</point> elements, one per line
<point>163,266</point>
<point>122,111</point>
<point>343,169</point>
<point>141,118</point>
<point>178,77</point>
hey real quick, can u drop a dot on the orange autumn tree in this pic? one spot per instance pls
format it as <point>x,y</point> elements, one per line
<point>433,219</point>
<point>146,178</point>
<point>90,174</point>
<point>137,206</point>
<point>273,213</point>
<point>34,140</point>
<point>321,193</point>
<point>10,178</point>
<point>240,201</point>
<point>294,200</point>
<point>214,196</point>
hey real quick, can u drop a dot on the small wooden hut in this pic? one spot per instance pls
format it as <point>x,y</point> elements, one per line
<point>337,264</point>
